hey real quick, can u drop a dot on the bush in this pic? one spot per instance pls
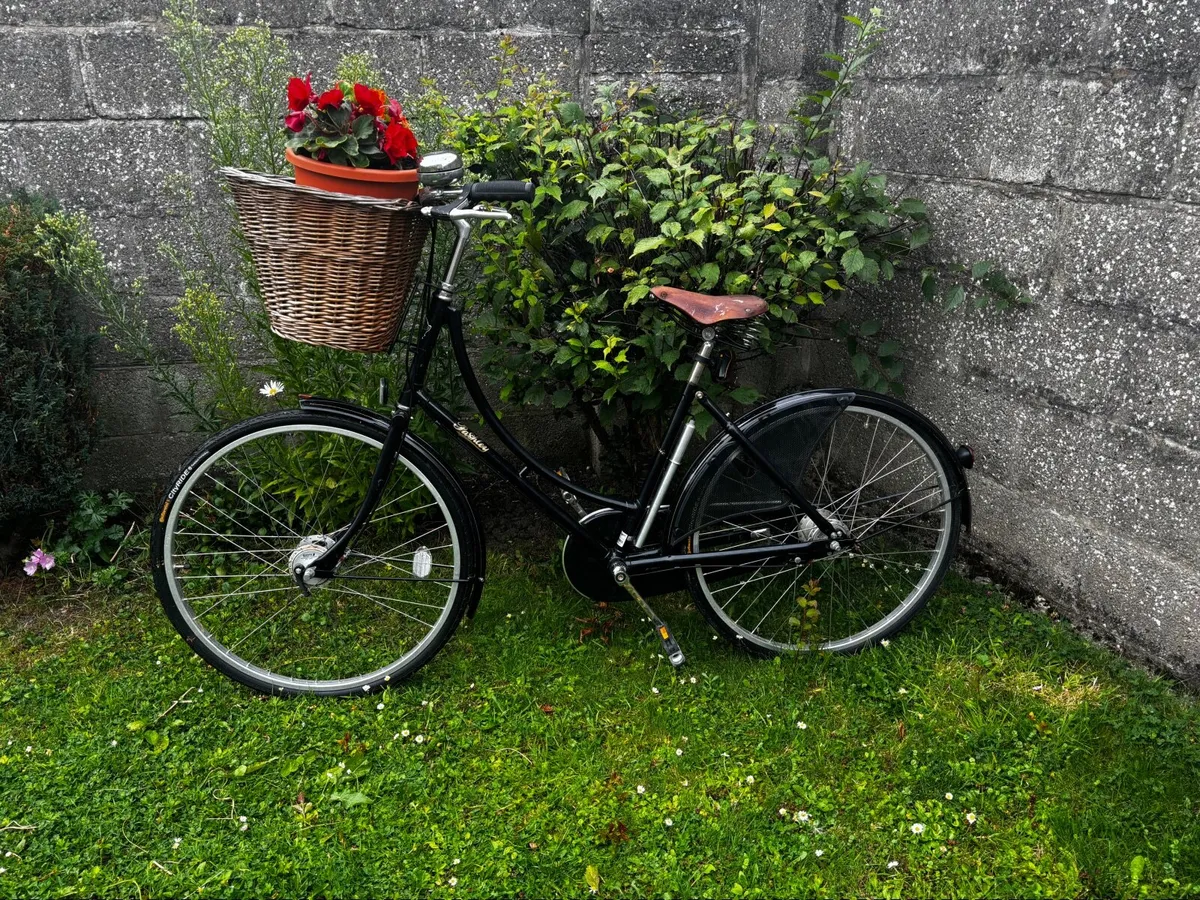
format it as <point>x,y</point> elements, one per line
<point>45,369</point>
<point>630,197</point>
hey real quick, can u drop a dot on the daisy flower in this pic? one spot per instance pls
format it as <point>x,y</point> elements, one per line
<point>271,389</point>
<point>917,828</point>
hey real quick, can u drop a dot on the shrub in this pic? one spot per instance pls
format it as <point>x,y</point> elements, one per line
<point>630,197</point>
<point>45,369</point>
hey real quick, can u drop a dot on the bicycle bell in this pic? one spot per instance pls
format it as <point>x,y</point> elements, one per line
<point>441,169</point>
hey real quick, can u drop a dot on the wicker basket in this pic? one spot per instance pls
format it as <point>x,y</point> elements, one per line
<point>334,269</point>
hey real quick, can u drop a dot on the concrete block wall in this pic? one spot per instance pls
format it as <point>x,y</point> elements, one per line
<point>1062,139</point>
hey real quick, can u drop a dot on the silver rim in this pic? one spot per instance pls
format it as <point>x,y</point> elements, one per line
<point>878,477</point>
<point>227,555</point>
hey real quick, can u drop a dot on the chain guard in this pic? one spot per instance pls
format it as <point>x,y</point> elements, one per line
<point>588,571</point>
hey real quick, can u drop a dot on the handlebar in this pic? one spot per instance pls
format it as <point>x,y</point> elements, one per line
<point>485,191</point>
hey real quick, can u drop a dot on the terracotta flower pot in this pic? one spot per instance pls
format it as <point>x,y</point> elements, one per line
<point>386,184</point>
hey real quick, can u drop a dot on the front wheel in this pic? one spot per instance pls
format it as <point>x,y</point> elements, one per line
<point>875,470</point>
<point>273,492</point>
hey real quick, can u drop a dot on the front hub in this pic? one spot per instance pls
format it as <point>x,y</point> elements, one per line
<point>302,558</point>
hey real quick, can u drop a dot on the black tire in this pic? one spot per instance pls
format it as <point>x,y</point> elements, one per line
<point>250,499</point>
<point>877,587</point>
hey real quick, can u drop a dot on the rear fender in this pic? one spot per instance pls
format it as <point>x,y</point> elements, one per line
<point>697,477</point>
<point>948,450</point>
<point>699,474</point>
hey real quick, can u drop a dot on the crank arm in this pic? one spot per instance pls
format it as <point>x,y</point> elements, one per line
<point>670,646</point>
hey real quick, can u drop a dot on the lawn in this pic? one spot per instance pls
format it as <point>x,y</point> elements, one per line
<point>549,750</point>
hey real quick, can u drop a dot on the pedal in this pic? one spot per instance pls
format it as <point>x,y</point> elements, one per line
<point>670,646</point>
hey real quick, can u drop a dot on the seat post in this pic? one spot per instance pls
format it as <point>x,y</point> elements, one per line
<point>681,437</point>
<point>709,336</point>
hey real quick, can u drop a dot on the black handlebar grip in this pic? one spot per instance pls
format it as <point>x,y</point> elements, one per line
<point>500,190</point>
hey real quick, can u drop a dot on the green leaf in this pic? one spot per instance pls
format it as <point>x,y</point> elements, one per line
<point>853,260</point>
<point>870,327</point>
<point>861,363</point>
<point>579,268</point>
<point>955,296</point>
<point>349,798</point>
<point>709,273</point>
<point>1137,865</point>
<point>648,243</point>
<point>659,211</point>
<point>636,293</point>
<point>591,877</point>
<point>574,209</point>
<point>981,268</point>
<point>913,207</point>
<point>660,177</point>
<point>571,113</point>
<point>888,348</point>
<point>560,398</point>
<point>599,234</point>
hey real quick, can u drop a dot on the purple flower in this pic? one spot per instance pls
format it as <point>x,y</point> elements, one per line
<point>38,558</point>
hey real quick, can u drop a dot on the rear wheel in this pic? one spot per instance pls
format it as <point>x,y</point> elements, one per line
<point>274,492</point>
<point>876,472</point>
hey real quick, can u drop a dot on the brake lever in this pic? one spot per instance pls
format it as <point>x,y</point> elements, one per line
<point>476,213</point>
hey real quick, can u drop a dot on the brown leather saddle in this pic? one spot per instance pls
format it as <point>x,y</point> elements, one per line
<point>711,309</point>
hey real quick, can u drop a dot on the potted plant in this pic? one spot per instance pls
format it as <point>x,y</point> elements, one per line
<point>351,139</point>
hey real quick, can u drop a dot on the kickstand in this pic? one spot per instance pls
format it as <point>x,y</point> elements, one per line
<point>670,645</point>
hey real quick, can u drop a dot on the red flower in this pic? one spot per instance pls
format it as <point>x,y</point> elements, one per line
<point>396,111</point>
<point>399,142</point>
<point>331,99</point>
<point>295,121</point>
<point>300,93</point>
<point>369,100</point>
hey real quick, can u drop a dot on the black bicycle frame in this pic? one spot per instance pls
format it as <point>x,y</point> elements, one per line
<point>443,314</point>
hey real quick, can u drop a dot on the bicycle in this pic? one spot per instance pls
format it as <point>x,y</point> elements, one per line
<point>823,520</point>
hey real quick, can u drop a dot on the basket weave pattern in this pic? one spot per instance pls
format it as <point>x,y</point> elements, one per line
<point>334,270</point>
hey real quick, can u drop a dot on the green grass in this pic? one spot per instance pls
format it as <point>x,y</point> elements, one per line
<point>542,756</point>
